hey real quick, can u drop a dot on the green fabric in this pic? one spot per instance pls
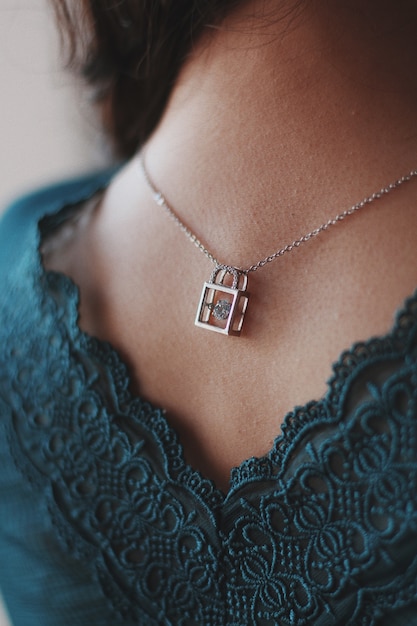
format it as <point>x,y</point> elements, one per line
<point>103,522</point>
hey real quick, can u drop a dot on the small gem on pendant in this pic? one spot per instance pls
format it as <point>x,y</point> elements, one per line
<point>221,309</point>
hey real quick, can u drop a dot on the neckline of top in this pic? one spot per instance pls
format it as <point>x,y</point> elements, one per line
<point>295,425</point>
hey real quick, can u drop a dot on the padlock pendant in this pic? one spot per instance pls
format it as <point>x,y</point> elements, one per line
<point>222,308</point>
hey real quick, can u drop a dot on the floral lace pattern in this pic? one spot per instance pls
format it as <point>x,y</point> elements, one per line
<point>322,530</point>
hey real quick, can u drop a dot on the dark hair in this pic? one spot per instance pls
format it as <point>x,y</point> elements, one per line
<point>130,52</point>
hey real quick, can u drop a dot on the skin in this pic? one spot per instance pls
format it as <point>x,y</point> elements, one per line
<point>280,119</point>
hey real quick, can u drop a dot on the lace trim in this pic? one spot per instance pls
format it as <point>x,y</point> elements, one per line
<point>329,534</point>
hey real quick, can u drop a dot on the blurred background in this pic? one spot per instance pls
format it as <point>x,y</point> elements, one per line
<point>46,128</point>
<point>47,131</point>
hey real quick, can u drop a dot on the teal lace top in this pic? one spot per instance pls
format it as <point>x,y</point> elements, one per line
<point>102,522</point>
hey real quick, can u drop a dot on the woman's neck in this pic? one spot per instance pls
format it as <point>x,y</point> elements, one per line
<point>278,121</point>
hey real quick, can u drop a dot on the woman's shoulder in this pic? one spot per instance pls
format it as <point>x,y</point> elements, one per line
<point>28,209</point>
<point>20,240</point>
<point>19,223</point>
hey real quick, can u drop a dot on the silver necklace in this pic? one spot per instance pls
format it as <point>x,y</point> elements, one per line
<point>224,298</point>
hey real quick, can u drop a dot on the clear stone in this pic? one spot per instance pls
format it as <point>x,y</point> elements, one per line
<point>221,310</point>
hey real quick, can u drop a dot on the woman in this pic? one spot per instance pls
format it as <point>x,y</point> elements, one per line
<point>252,124</point>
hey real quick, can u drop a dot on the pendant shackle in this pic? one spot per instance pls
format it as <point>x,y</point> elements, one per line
<point>226,269</point>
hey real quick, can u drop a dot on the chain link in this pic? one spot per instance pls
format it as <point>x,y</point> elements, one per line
<point>162,202</point>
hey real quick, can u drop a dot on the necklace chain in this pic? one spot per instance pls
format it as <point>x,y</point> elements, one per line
<point>162,202</point>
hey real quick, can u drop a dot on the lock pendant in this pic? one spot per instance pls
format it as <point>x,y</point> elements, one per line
<point>222,307</point>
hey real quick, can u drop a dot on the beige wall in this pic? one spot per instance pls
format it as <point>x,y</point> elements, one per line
<point>46,128</point>
<point>46,131</point>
